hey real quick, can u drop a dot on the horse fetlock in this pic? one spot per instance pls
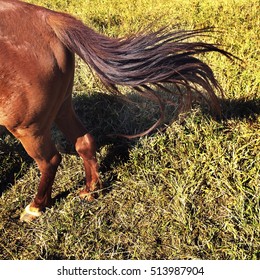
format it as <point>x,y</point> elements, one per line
<point>87,195</point>
<point>30,213</point>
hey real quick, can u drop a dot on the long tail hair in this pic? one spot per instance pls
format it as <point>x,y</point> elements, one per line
<point>145,62</point>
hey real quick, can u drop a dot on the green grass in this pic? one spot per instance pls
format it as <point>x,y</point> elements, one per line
<point>189,192</point>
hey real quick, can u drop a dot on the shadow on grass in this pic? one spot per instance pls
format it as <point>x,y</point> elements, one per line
<point>240,109</point>
<point>104,115</point>
<point>14,161</point>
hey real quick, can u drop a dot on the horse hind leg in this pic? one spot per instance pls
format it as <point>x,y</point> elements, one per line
<point>43,151</point>
<point>84,143</point>
<point>86,148</point>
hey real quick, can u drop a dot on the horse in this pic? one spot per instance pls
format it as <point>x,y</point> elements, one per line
<point>37,63</point>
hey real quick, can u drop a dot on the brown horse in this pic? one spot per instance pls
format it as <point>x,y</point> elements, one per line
<point>37,48</point>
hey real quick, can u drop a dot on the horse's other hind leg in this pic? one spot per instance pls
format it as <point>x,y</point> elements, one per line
<point>41,148</point>
<point>86,148</point>
<point>75,132</point>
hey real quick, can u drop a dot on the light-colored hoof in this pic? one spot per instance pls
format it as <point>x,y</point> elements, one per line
<point>86,196</point>
<point>30,213</point>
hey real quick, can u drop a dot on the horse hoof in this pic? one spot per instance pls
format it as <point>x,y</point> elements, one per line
<point>86,196</point>
<point>29,214</point>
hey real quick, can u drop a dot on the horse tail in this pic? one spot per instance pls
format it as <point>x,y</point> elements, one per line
<point>147,61</point>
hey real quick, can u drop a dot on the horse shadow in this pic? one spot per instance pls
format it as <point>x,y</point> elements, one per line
<point>106,116</point>
<point>240,109</point>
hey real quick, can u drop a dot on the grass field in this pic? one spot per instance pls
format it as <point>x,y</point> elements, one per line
<point>189,192</point>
